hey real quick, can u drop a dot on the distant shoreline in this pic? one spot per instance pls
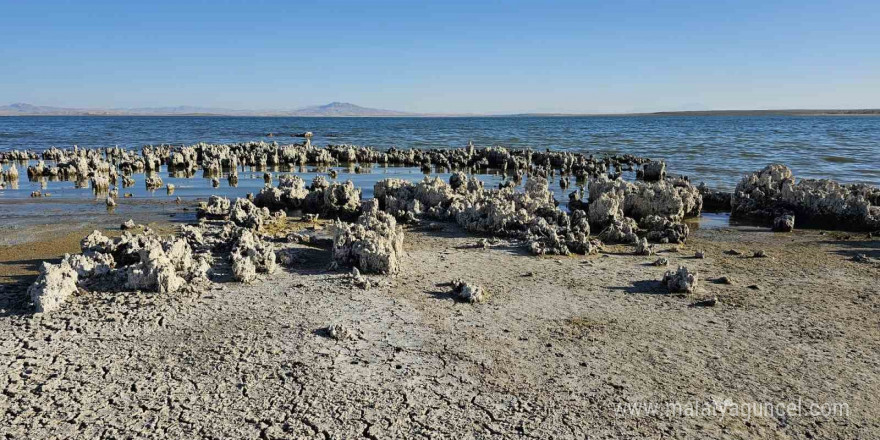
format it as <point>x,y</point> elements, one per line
<point>795,112</point>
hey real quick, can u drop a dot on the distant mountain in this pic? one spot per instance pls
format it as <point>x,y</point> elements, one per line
<point>334,109</point>
<point>345,109</point>
<point>28,109</point>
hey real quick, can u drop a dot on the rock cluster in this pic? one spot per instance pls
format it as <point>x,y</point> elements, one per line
<point>321,197</point>
<point>374,243</point>
<point>245,214</point>
<point>531,215</point>
<point>773,192</point>
<point>55,283</point>
<point>144,261</point>
<point>673,199</point>
<point>216,208</point>
<point>617,208</point>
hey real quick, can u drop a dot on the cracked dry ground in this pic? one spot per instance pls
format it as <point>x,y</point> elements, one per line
<point>558,345</point>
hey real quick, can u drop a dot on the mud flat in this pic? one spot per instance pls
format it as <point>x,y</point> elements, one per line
<point>558,344</point>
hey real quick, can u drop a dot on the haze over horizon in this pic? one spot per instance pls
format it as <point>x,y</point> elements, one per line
<point>451,57</point>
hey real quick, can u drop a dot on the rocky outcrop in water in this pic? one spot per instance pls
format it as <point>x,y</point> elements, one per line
<point>773,192</point>
<point>673,199</point>
<point>715,201</point>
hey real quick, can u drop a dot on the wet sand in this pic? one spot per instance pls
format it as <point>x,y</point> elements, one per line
<point>26,240</point>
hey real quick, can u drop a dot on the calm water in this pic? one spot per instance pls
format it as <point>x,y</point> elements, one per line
<point>715,149</point>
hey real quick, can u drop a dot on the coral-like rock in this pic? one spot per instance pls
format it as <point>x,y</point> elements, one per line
<point>620,231</point>
<point>55,283</point>
<point>643,248</point>
<point>661,230</point>
<point>681,280</point>
<point>244,213</point>
<point>250,255</point>
<point>216,208</point>
<point>374,243</point>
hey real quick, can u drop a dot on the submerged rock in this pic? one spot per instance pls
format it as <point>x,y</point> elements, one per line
<point>654,171</point>
<point>153,182</point>
<point>715,201</point>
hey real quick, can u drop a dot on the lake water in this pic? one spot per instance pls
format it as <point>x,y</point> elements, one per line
<point>714,149</point>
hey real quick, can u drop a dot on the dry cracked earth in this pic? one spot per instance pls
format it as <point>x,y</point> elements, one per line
<point>558,350</point>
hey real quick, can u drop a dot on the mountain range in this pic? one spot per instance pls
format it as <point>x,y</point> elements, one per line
<point>345,109</point>
<point>333,109</point>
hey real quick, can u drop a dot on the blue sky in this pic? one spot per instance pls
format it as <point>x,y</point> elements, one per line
<point>449,56</point>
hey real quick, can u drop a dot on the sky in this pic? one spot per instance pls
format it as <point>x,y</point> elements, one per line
<point>442,56</point>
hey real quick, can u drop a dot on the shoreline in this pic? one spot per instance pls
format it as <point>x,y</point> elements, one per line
<point>559,343</point>
<point>444,305</point>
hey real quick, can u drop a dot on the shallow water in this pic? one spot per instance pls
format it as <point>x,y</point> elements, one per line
<point>70,201</point>
<point>714,149</point>
<point>717,150</point>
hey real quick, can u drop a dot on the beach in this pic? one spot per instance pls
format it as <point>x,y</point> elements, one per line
<point>561,347</point>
